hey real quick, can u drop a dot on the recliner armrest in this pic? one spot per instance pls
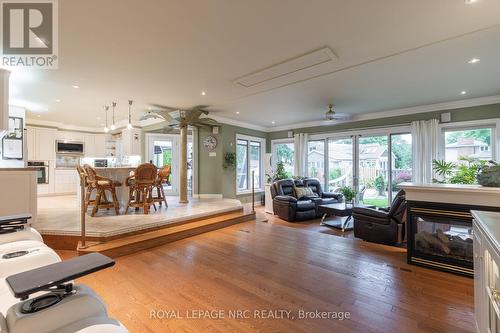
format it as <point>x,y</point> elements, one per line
<point>370,212</point>
<point>285,198</point>
<point>337,196</point>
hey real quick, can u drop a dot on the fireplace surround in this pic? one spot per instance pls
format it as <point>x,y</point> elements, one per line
<point>439,224</point>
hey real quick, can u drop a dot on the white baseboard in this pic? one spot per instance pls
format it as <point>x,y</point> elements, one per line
<point>207,196</point>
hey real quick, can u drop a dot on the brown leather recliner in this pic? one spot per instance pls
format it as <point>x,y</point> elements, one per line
<point>287,206</point>
<point>384,226</point>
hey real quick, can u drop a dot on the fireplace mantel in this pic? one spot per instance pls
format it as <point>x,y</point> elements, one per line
<point>453,193</point>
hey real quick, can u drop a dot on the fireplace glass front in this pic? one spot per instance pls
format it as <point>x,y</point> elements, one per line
<point>449,239</point>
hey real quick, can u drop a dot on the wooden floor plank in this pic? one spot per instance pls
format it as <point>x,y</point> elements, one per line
<point>278,265</point>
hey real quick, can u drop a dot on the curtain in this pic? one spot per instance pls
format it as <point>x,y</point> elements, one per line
<point>425,134</point>
<point>300,154</point>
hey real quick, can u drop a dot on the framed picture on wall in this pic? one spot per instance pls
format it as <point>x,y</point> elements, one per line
<point>12,142</point>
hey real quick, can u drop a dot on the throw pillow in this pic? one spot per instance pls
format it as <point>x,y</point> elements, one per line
<point>303,192</point>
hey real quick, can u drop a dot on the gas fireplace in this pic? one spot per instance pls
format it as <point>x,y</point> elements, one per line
<point>440,236</point>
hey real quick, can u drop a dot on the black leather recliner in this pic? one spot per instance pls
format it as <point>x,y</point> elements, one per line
<point>322,198</point>
<point>287,206</point>
<point>384,226</point>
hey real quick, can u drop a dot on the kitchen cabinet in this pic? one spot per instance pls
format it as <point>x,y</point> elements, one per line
<point>486,271</point>
<point>31,143</point>
<point>95,145</point>
<point>45,144</point>
<point>131,142</point>
<point>65,181</point>
<point>71,136</point>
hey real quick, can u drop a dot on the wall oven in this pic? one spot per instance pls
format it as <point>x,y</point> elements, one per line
<point>42,171</point>
<point>70,147</point>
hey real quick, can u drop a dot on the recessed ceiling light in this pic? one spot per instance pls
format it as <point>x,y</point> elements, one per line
<point>474,60</point>
<point>237,112</point>
<point>38,115</point>
<point>75,86</point>
<point>273,122</point>
<point>58,100</point>
<point>203,93</point>
<point>463,92</point>
<point>468,2</point>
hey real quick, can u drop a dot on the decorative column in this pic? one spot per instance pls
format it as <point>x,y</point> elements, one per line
<point>183,186</point>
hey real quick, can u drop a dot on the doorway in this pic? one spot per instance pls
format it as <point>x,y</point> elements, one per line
<point>163,150</point>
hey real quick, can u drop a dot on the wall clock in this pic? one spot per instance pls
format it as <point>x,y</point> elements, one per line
<point>210,142</point>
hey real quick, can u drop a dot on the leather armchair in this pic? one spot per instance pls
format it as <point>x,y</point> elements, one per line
<point>287,206</point>
<point>322,198</point>
<point>384,226</point>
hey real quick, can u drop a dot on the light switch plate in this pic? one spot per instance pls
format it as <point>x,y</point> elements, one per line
<point>212,154</point>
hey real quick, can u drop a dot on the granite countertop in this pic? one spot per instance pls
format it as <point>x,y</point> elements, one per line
<point>111,168</point>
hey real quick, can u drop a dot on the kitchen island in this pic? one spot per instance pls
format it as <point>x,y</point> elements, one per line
<point>118,174</point>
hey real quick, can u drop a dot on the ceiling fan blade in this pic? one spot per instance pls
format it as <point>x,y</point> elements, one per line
<point>164,107</point>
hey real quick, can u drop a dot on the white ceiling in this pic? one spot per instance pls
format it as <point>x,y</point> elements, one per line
<point>391,54</point>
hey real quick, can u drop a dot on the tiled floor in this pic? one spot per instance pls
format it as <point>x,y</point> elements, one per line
<point>60,215</point>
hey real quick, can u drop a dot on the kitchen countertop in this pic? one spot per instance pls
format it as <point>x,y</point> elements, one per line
<point>489,223</point>
<point>108,168</point>
<point>17,169</point>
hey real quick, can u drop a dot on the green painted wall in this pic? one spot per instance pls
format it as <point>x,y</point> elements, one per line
<point>463,114</point>
<point>213,178</point>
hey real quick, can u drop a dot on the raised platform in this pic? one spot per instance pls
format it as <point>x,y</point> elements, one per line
<point>59,219</point>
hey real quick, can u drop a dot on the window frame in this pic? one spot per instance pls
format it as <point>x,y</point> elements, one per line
<point>262,142</point>
<point>494,124</point>
<point>276,142</point>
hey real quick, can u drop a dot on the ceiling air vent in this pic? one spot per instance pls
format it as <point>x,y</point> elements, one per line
<point>288,67</point>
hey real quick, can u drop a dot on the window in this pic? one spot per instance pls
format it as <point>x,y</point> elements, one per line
<point>249,157</point>
<point>462,144</point>
<point>283,151</point>
<point>316,159</point>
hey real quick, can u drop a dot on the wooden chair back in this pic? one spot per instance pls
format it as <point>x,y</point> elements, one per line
<point>145,173</point>
<point>91,174</point>
<point>82,174</point>
<point>164,173</point>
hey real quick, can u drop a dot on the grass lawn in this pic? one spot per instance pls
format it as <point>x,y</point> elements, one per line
<point>376,202</point>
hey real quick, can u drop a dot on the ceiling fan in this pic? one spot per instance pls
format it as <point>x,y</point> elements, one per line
<point>332,115</point>
<point>176,118</point>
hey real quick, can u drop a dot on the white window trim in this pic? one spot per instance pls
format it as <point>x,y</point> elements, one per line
<point>472,124</point>
<point>273,148</point>
<point>262,142</point>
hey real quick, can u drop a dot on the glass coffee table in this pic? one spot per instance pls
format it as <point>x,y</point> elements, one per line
<point>341,210</point>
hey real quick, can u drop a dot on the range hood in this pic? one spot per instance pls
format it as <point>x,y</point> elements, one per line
<point>4,102</point>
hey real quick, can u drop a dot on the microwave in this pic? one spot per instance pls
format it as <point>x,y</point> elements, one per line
<point>70,147</point>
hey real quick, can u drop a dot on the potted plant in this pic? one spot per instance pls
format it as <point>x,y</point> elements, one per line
<point>229,160</point>
<point>277,174</point>
<point>349,194</point>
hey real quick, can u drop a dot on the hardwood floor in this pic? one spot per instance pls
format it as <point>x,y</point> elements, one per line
<point>282,266</point>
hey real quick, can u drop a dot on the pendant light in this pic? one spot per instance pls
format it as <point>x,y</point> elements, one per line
<point>129,125</point>
<point>113,126</point>
<point>106,129</point>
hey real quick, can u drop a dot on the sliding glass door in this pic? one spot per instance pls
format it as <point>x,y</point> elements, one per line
<point>374,165</point>
<point>373,170</point>
<point>340,163</point>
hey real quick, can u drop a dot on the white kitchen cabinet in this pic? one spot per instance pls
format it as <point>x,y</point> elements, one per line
<point>89,141</point>
<point>45,144</point>
<point>70,136</point>
<point>100,145</point>
<point>486,271</point>
<point>131,142</point>
<point>65,181</point>
<point>31,143</point>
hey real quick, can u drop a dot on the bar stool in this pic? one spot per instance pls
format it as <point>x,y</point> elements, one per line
<point>163,176</point>
<point>141,187</point>
<point>101,185</point>
<point>88,189</point>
